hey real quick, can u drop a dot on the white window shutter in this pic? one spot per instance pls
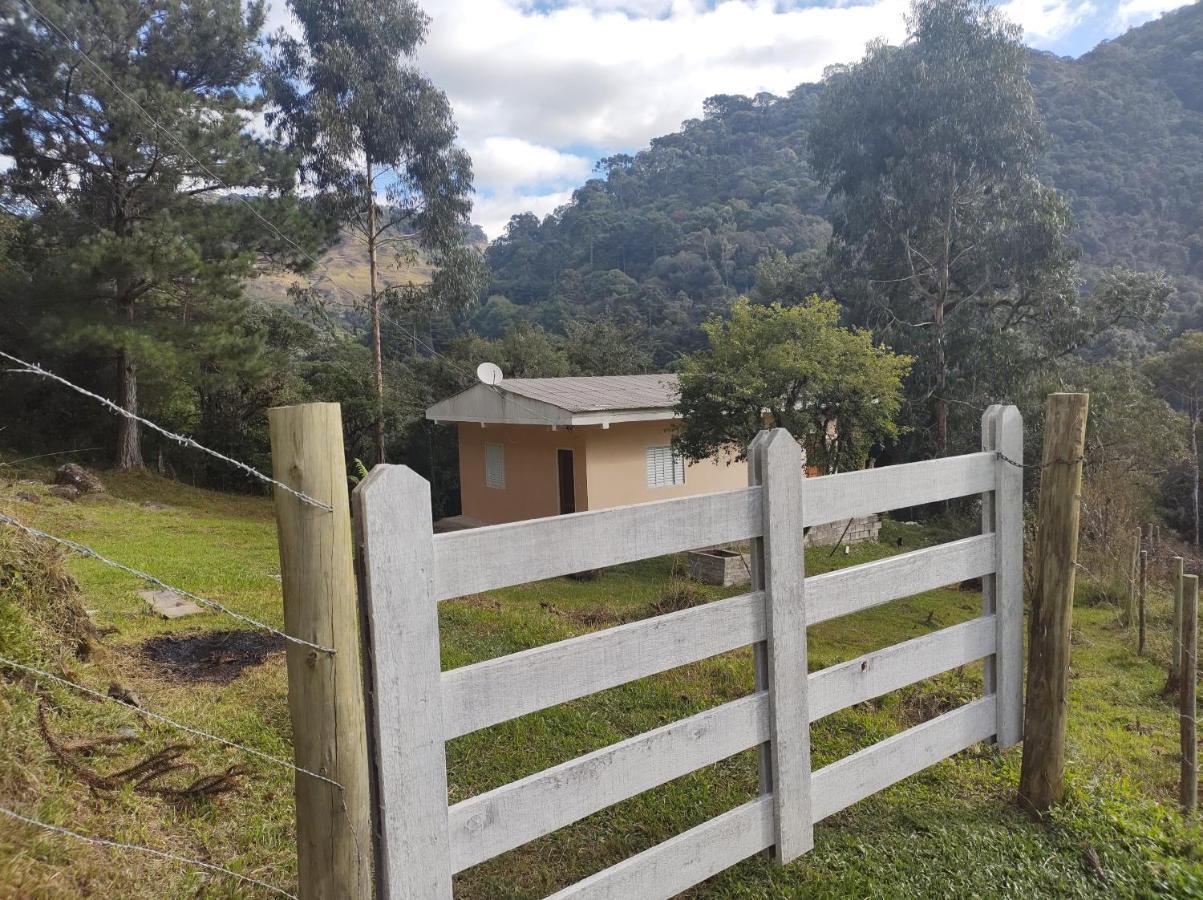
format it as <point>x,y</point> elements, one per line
<point>663,467</point>
<point>495,466</point>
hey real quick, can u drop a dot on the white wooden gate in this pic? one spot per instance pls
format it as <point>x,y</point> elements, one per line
<point>406,571</point>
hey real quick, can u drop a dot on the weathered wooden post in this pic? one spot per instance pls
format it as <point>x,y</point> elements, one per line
<point>1175,667</point>
<point>1041,781</point>
<point>1002,593</point>
<point>325,691</point>
<point>1133,579</point>
<point>775,461</point>
<point>1144,590</point>
<point>1188,723</point>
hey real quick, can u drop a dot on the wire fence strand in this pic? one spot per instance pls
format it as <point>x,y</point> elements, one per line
<point>267,757</point>
<point>84,550</point>
<point>162,854</point>
<point>182,440</point>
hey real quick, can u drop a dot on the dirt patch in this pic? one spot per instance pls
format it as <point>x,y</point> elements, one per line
<point>215,656</point>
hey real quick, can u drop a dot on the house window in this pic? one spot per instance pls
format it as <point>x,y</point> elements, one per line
<point>495,466</point>
<point>664,467</point>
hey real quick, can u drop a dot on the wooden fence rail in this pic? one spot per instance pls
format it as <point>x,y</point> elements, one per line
<point>406,571</point>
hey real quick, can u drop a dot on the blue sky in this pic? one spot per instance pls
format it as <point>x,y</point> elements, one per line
<point>543,88</point>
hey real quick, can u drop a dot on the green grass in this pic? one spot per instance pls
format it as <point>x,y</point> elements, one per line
<point>953,830</point>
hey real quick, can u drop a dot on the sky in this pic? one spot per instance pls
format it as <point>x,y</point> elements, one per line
<point>542,89</point>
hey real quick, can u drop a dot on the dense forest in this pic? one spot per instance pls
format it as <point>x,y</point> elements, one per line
<point>668,236</point>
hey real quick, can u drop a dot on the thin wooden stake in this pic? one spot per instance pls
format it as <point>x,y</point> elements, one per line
<point>1043,769</point>
<point>1144,590</point>
<point>1175,667</point>
<point>1133,582</point>
<point>1189,723</point>
<point>325,691</point>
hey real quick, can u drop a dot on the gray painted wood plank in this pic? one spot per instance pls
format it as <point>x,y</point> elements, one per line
<point>887,762</point>
<point>785,619</point>
<point>496,690</point>
<point>839,593</point>
<point>481,559</point>
<point>834,498</point>
<point>392,508</point>
<point>680,862</point>
<point>989,602</point>
<point>882,671</point>
<point>693,856</point>
<point>506,817</point>
<point>1009,578</point>
<point>492,823</point>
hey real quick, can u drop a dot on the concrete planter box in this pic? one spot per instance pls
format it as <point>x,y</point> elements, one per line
<point>862,530</point>
<point>719,566</point>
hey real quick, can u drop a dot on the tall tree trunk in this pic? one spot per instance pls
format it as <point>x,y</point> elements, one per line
<point>1194,447</point>
<point>129,439</point>
<point>377,353</point>
<point>941,379</point>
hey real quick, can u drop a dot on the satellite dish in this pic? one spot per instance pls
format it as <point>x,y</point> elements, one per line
<point>489,373</point>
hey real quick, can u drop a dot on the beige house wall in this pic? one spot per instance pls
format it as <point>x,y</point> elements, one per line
<point>618,473</point>
<point>609,467</point>
<point>532,488</point>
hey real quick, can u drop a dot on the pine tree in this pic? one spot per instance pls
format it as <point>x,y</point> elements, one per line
<point>126,121</point>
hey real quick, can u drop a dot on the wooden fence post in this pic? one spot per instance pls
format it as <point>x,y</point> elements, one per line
<point>1188,722</point>
<point>1002,593</point>
<point>1175,667</point>
<point>1041,782</point>
<point>1144,591</point>
<point>393,515</point>
<point>782,572</point>
<point>325,691</point>
<point>1133,580</point>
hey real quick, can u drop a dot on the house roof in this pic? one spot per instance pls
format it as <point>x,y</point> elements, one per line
<point>563,401</point>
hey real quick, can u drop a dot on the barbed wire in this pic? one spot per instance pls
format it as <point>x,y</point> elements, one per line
<point>1055,462</point>
<point>84,550</point>
<point>163,854</point>
<point>267,757</point>
<point>182,440</point>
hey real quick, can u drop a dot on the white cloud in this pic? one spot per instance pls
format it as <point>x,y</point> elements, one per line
<point>6,163</point>
<point>1046,21</point>
<point>1137,12</point>
<point>492,212</point>
<point>531,86</point>
<point>519,163</point>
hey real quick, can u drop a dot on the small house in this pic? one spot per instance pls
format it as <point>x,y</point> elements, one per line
<point>534,447</point>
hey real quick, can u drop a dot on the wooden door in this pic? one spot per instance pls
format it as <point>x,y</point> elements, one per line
<point>567,477</point>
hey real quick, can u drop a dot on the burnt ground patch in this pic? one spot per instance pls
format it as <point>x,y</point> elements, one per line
<point>215,656</point>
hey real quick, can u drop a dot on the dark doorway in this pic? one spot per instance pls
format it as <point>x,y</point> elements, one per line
<point>567,482</point>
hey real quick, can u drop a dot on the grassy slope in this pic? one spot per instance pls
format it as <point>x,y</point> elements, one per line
<point>949,831</point>
<point>341,273</point>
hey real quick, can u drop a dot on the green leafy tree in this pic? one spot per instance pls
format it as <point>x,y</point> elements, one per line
<point>792,367</point>
<point>139,264</point>
<point>929,152</point>
<point>377,140</point>
<point>1178,374</point>
<point>605,347</point>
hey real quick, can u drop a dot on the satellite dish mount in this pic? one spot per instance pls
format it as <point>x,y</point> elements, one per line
<point>489,373</point>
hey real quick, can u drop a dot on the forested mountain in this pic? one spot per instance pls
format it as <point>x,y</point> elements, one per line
<point>670,235</point>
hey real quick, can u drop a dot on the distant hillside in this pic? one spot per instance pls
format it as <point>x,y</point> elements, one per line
<point>346,264</point>
<point>673,233</point>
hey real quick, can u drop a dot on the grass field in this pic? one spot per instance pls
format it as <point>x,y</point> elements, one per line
<point>951,831</point>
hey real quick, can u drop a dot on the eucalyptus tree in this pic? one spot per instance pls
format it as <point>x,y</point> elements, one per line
<point>929,153</point>
<point>125,121</point>
<point>1178,374</point>
<point>377,141</point>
